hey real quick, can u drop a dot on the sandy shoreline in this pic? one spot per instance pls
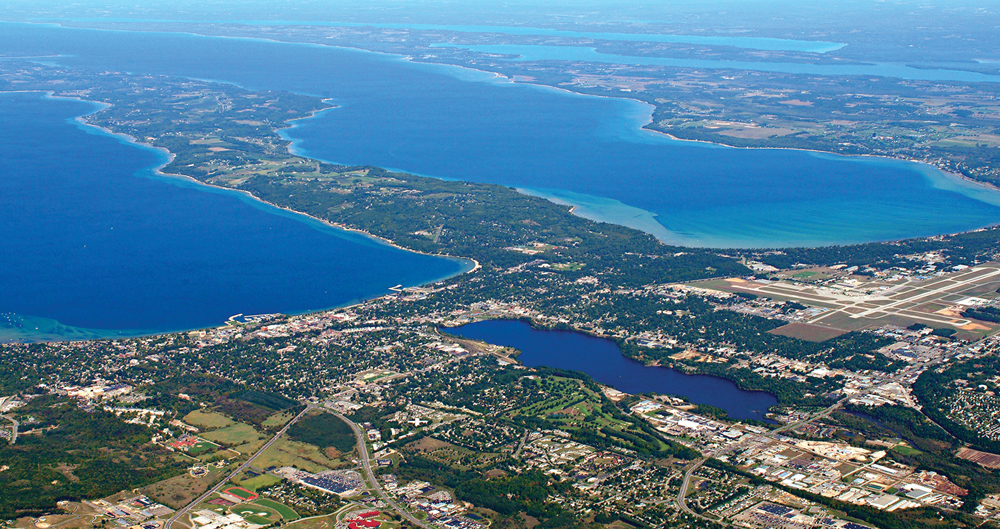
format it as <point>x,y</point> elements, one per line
<point>97,334</point>
<point>652,107</point>
<point>817,151</point>
<point>574,207</point>
<point>170,157</point>
<point>500,76</point>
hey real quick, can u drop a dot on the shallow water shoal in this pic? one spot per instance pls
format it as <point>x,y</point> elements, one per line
<point>462,124</point>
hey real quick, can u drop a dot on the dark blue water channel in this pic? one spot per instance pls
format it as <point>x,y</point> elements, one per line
<point>93,243</point>
<point>453,123</point>
<point>605,363</point>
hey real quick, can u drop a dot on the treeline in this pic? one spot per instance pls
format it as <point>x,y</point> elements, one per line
<point>272,401</point>
<point>855,350</point>
<point>934,389</point>
<point>324,430</point>
<point>481,221</point>
<point>509,495</point>
<point>991,314</point>
<point>935,447</point>
<point>506,495</point>
<point>228,397</point>
<point>75,455</point>
<point>906,422</point>
<point>638,436</point>
<point>962,248</point>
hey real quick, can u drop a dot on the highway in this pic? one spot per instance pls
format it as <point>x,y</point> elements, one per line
<point>246,464</point>
<point>520,446</point>
<point>13,433</point>
<point>367,464</point>
<point>696,464</point>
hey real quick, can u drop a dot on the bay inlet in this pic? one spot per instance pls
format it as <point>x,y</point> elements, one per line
<point>98,244</point>
<point>459,124</point>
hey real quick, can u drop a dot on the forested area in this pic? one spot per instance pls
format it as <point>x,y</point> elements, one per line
<point>957,249</point>
<point>934,389</point>
<point>65,453</point>
<point>324,430</point>
<point>483,222</point>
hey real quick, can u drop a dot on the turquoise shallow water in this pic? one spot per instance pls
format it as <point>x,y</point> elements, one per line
<point>467,125</point>
<point>753,43</point>
<point>527,52</point>
<point>94,244</point>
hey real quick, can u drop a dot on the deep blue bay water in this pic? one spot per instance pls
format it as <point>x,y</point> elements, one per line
<point>94,244</point>
<point>604,362</point>
<point>588,151</point>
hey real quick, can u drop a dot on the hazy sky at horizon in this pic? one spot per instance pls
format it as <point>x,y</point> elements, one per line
<point>880,30</point>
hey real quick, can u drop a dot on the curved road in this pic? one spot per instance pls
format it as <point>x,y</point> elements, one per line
<point>184,510</point>
<point>696,464</point>
<point>13,433</point>
<point>367,464</point>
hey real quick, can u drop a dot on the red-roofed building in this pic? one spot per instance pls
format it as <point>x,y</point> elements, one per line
<point>364,521</point>
<point>184,443</point>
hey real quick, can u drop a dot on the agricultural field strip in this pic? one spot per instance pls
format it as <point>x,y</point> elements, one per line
<point>904,297</point>
<point>246,464</point>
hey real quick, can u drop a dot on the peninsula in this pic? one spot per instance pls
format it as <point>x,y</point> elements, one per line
<point>873,353</point>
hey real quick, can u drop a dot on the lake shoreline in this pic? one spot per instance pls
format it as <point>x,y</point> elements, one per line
<point>631,370</point>
<point>726,243</point>
<point>158,171</point>
<point>54,329</point>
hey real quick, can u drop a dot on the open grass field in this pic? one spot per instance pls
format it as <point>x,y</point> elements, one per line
<point>568,267</point>
<point>247,510</point>
<point>251,447</point>
<point>427,444</point>
<point>319,522</point>
<point>202,447</point>
<point>907,450</point>
<point>808,332</point>
<point>241,493</point>
<point>236,434</point>
<point>180,490</point>
<point>250,512</point>
<point>288,453</point>
<point>259,482</point>
<point>208,420</point>
<point>81,519</point>
<point>571,404</point>
<point>259,520</point>
<point>278,419</point>
<point>285,511</point>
